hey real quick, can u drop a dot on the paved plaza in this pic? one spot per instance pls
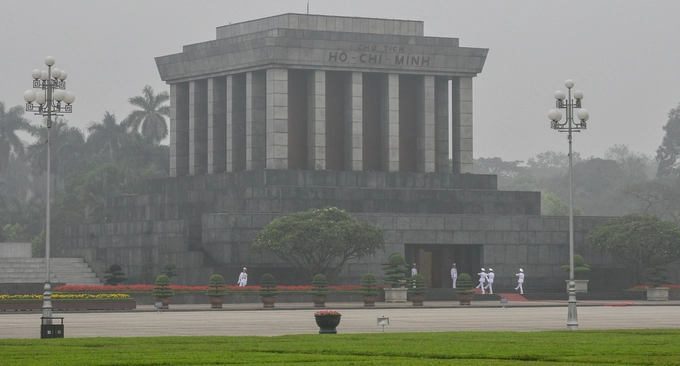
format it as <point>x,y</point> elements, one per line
<point>296,318</point>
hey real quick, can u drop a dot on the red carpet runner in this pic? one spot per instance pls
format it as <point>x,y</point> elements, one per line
<point>513,297</point>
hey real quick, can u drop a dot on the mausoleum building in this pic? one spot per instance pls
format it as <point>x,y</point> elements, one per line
<point>290,112</point>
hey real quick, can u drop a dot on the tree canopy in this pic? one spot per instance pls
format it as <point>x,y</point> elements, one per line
<point>150,116</point>
<point>319,240</point>
<point>668,154</point>
<point>636,239</point>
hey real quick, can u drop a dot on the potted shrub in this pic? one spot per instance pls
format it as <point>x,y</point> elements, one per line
<point>162,291</point>
<point>268,291</point>
<point>170,270</point>
<point>114,275</point>
<point>417,290</point>
<point>319,290</point>
<point>655,276</point>
<point>465,289</point>
<point>580,269</point>
<point>369,290</point>
<point>395,277</point>
<point>327,320</point>
<point>216,291</point>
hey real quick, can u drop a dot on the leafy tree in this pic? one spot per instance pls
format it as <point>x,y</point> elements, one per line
<point>635,239</point>
<point>11,121</point>
<point>369,285</point>
<point>668,153</point>
<point>551,205</point>
<point>151,115</point>
<point>13,233</point>
<point>67,147</point>
<point>216,287</point>
<point>38,245</point>
<point>319,286</point>
<point>636,167</point>
<point>319,240</point>
<point>659,197</point>
<point>580,266</point>
<point>657,273</point>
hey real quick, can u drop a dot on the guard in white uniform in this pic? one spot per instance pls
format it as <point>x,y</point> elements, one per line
<point>243,278</point>
<point>454,275</point>
<point>489,280</point>
<point>482,280</point>
<point>520,281</point>
<point>414,270</point>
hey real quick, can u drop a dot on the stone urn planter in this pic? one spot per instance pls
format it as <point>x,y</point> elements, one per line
<point>268,301</point>
<point>327,320</point>
<point>417,300</point>
<point>465,298</point>
<point>396,294</point>
<point>581,286</point>
<point>657,293</point>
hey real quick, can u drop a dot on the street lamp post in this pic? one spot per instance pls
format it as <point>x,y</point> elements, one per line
<point>569,126</point>
<point>51,100</point>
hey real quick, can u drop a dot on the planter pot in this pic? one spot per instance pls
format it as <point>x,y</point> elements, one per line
<point>319,301</point>
<point>581,286</point>
<point>369,300</point>
<point>327,323</point>
<point>216,302</point>
<point>397,294</point>
<point>165,301</point>
<point>465,298</point>
<point>417,300</point>
<point>268,301</point>
<point>657,293</point>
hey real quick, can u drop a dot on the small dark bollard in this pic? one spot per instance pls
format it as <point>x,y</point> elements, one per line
<point>327,320</point>
<point>51,330</point>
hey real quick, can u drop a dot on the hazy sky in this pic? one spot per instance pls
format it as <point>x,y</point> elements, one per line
<point>623,55</point>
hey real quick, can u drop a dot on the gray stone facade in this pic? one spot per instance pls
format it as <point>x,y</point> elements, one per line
<point>292,112</point>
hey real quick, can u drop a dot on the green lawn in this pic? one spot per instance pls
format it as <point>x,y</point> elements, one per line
<point>642,347</point>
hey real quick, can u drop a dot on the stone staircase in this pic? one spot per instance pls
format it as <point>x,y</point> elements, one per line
<point>70,271</point>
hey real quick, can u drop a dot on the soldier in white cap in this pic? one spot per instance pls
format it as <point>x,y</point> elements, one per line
<point>454,274</point>
<point>482,280</point>
<point>489,279</point>
<point>414,270</point>
<point>520,281</point>
<point>243,278</point>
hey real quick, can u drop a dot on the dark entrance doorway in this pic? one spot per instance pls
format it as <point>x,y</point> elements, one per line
<point>434,261</point>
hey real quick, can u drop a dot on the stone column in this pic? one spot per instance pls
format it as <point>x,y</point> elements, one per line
<point>198,127</point>
<point>390,123</point>
<point>256,120</point>
<point>461,124</point>
<point>316,118</point>
<point>354,121</point>
<point>277,119</point>
<point>217,125</point>
<point>179,129</point>
<point>441,106</point>
<point>426,125</point>
<point>236,122</point>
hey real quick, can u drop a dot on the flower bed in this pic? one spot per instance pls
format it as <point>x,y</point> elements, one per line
<point>191,289</point>
<point>69,302</point>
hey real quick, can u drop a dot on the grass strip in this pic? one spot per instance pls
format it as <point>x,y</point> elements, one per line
<point>615,347</point>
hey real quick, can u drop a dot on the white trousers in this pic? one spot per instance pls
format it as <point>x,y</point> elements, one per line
<point>519,287</point>
<point>490,287</point>
<point>481,285</point>
<point>454,281</point>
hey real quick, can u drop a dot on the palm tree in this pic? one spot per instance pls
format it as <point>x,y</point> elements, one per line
<point>11,121</point>
<point>107,136</point>
<point>151,115</point>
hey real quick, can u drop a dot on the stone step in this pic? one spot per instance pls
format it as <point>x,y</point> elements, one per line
<point>32,270</point>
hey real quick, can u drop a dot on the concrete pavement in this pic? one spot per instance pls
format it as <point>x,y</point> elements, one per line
<point>298,318</point>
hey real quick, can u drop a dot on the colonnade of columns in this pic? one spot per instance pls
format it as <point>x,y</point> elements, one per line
<point>320,120</point>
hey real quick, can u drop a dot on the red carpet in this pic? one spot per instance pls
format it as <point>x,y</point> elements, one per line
<point>513,297</point>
